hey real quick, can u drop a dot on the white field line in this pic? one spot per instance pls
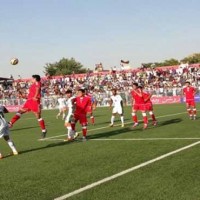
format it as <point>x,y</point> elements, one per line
<point>125,172</point>
<point>100,128</point>
<point>143,139</point>
<point>125,139</point>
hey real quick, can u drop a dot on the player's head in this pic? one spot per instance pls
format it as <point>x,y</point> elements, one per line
<point>140,87</point>
<point>187,83</point>
<point>114,91</point>
<point>36,78</point>
<point>135,86</point>
<point>81,92</point>
<point>68,93</point>
<point>61,94</point>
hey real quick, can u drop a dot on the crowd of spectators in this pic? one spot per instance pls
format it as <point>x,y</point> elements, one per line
<point>165,81</point>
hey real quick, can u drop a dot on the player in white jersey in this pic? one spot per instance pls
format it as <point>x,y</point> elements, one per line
<point>4,131</point>
<point>117,102</point>
<point>71,135</point>
<point>61,106</point>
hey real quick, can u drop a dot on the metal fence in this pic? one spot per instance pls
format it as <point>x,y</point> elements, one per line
<point>102,98</point>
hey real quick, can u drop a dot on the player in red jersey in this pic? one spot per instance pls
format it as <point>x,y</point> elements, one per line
<point>149,106</point>
<point>81,103</point>
<point>189,93</point>
<point>32,104</point>
<point>91,107</point>
<point>138,105</point>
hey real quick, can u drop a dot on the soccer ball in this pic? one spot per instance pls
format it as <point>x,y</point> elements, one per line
<point>14,61</point>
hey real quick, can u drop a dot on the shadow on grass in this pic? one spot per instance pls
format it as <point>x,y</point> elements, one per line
<point>169,122</point>
<point>135,130</point>
<point>48,146</point>
<point>111,133</point>
<point>100,135</point>
<point>24,128</point>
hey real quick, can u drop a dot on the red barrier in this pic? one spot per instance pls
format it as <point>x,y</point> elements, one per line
<point>13,108</point>
<point>166,100</point>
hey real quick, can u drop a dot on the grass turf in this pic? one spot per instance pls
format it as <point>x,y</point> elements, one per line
<point>52,168</point>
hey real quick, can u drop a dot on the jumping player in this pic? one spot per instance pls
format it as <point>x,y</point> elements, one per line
<point>138,104</point>
<point>189,93</point>
<point>4,131</point>
<point>81,103</point>
<point>117,102</point>
<point>32,104</point>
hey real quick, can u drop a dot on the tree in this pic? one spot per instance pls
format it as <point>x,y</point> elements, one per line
<point>170,62</point>
<point>192,59</point>
<point>63,67</point>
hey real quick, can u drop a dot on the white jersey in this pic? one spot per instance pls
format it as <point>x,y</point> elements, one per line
<point>4,129</point>
<point>116,100</point>
<point>69,104</point>
<point>117,104</point>
<point>61,102</point>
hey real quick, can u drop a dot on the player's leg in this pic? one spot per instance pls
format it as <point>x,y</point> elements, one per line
<point>17,116</point>
<point>92,119</point>
<point>112,119</point>
<point>83,122</point>
<point>120,112</point>
<point>151,113</point>
<point>134,116</point>
<point>74,121</point>
<point>145,119</point>
<point>149,108</point>
<point>59,112</point>
<point>71,134</point>
<point>189,110</point>
<point>193,109</point>
<point>64,113</point>
<point>122,120</point>
<point>41,123</point>
<point>10,144</point>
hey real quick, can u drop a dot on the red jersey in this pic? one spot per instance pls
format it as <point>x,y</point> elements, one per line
<point>32,90</point>
<point>147,97</point>
<point>189,93</point>
<point>81,104</point>
<point>138,99</point>
<point>90,97</point>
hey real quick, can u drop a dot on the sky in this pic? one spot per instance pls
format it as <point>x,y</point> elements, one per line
<point>93,31</point>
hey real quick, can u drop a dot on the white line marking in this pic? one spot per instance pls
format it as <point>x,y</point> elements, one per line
<point>129,139</point>
<point>124,172</point>
<point>100,128</point>
<point>126,139</point>
<point>51,139</point>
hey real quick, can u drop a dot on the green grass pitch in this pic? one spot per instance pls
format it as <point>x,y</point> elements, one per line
<point>49,169</point>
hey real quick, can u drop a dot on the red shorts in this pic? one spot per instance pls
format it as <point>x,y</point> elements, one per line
<point>31,105</point>
<point>89,109</point>
<point>190,103</point>
<point>82,118</point>
<point>140,107</point>
<point>149,107</point>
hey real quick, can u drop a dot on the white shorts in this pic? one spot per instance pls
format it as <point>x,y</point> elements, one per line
<point>68,118</point>
<point>61,108</point>
<point>4,130</point>
<point>118,110</point>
